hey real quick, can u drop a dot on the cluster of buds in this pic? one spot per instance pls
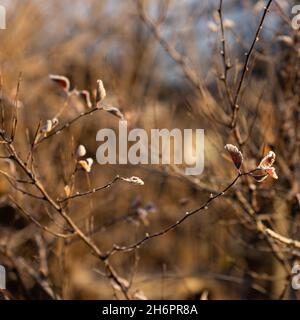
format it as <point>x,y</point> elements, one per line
<point>262,171</point>
<point>84,164</point>
<point>86,97</point>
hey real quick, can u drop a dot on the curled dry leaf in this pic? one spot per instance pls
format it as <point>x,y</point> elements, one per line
<point>267,161</point>
<point>265,168</point>
<point>62,81</point>
<point>235,154</point>
<point>101,92</point>
<point>85,97</point>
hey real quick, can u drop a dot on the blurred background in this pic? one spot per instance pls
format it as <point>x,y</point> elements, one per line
<point>216,255</point>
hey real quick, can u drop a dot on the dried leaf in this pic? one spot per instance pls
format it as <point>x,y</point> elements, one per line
<point>267,161</point>
<point>265,168</point>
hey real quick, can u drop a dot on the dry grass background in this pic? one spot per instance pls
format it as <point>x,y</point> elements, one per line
<point>220,253</point>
